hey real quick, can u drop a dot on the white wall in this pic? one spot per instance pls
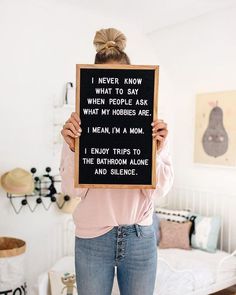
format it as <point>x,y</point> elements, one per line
<point>41,41</point>
<point>198,56</point>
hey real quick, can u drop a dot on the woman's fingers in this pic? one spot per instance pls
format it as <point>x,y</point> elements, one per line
<point>159,142</point>
<point>162,132</point>
<point>70,127</point>
<point>160,128</point>
<point>68,132</point>
<point>157,122</point>
<point>159,125</point>
<point>159,138</point>
<point>159,132</point>
<point>76,117</point>
<point>71,130</point>
<point>75,123</point>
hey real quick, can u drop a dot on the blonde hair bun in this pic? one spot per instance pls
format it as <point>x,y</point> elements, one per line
<point>109,38</point>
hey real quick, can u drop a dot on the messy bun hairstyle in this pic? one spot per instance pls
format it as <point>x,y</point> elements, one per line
<point>110,44</point>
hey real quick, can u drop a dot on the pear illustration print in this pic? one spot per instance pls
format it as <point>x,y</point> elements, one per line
<point>215,139</point>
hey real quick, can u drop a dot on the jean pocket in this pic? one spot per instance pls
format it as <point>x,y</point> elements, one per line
<point>147,231</point>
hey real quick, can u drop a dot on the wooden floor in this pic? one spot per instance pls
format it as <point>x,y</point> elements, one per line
<point>229,291</point>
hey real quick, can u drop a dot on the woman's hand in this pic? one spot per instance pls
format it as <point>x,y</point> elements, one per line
<point>159,133</point>
<point>71,130</point>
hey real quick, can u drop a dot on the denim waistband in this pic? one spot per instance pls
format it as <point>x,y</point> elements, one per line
<point>124,228</point>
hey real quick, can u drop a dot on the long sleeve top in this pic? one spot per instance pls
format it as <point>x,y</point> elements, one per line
<point>101,209</point>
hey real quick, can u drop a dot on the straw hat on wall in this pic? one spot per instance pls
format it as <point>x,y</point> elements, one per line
<point>18,182</point>
<point>70,205</point>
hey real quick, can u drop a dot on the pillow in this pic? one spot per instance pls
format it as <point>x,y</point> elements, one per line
<point>205,233</point>
<point>62,283</point>
<point>175,234</point>
<point>173,215</point>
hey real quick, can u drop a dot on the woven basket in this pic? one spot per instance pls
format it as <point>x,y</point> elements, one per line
<point>11,247</point>
<point>12,266</point>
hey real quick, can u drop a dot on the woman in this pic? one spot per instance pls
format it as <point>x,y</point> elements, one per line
<point>114,227</point>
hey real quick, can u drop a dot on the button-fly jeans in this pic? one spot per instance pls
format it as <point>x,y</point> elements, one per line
<point>131,248</point>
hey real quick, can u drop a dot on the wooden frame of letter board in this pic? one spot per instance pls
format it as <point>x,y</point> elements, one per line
<point>155,111</point>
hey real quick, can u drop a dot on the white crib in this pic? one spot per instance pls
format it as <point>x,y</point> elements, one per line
<point>180,272</point>
<point>222,264</point>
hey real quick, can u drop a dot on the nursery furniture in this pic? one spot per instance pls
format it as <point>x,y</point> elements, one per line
<point>179,271</point>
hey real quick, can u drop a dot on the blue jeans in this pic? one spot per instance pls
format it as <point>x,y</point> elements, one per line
<point>131,248</point>
<point>156,224</point>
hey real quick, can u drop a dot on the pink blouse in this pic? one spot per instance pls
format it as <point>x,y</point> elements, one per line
<point>101,209</point>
